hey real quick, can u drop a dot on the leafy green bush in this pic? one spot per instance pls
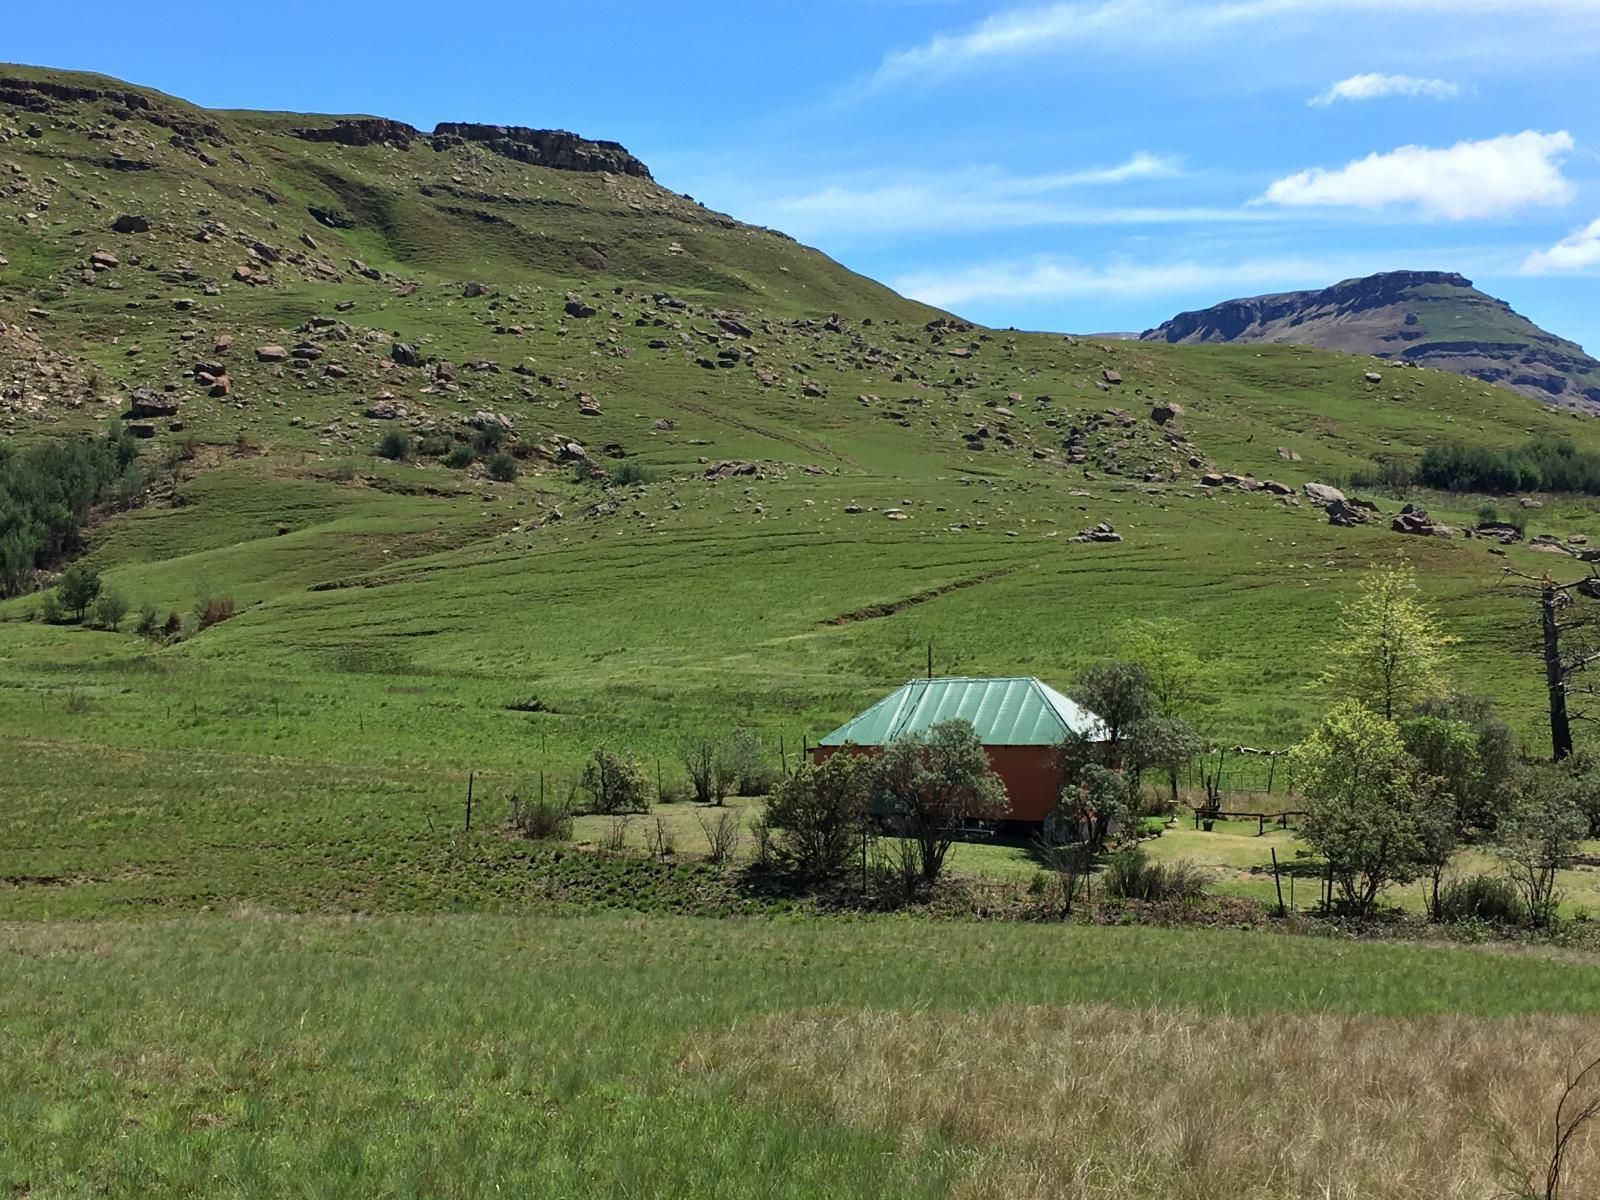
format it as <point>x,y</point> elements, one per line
<point>395,444</point>
<point>211,610</point>
<point>1550,464</point>
<point>815,817</point>
<point>630,473</point>
<point>460,456</point>
<point>615,783</point>
<point>434,445</point>
<point>1481,897</point>
<point>109,609</point>
<point>502,467</point>
<point>50,610</point>
<point>542,820</point>
<point>149,625</point>
<point>488,439</point>
<point>1131,875</point>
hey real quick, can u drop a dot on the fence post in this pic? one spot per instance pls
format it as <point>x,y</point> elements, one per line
<point>1277,880</point>
<point>470,775</point>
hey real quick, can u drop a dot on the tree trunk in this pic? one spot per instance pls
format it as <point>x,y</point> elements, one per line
<point>1555,678</point>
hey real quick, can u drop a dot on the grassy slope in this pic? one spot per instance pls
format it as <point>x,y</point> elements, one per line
<point>601,1056</point>
<point>685,603</point>
<point>311,754</point>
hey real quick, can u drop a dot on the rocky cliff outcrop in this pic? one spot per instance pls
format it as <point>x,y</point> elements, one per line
<point>1428,318</point>
<point>553,148</point>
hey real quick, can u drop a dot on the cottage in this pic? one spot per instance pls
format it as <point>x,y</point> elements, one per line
<point>1020,721</point>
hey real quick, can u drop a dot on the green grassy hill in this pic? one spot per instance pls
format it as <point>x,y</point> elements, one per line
<point>827,478</point>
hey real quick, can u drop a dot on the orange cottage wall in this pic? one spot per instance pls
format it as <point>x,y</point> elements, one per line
<point>1030,773</point>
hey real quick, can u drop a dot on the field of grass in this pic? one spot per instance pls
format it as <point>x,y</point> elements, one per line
<point>247,946</point>
<point>248,1055</point>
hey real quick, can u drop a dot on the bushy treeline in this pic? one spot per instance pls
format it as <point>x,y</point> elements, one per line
<point>46,493</point>
<point>1542,464</point>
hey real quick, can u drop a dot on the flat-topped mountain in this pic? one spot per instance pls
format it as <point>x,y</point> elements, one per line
<point>1432,318</point>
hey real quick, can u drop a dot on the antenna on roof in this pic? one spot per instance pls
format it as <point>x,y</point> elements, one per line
<point>930,660</point>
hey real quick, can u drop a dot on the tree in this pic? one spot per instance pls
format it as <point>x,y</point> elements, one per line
<point>78,586</point>
<point>1160,742</point>
<point>705,759</point>
<point>109,609</point>
<point>1361,809</point>
<point>1178,682</point>
<point>819,813</point>
<point>1445,758</point>
<point>615,783</point>
<point>1095,800</point>
<point>1119,694</point>
<point>1538,839</point>
<point>927,786</point>
<point>1388,651</point>
<point>1488,793</point>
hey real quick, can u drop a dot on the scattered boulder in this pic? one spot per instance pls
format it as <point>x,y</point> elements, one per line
<point>146,403</point>
<point>1169,411</point>
<point>385,410</point>
<point>103,260</point>
<point>731,470</point>
<point>1374,377</point>
<point>1322,493</point>
<point>576,307</point>
<point>1111,376</point>
<point>1344,514</point>
<point>130,223</point>
<point>473,290</point>
<point>1276,488</point>
<point>1413,519</point>
<point>1102,532</point>
<point>271,353</point>
<point>405,354</point>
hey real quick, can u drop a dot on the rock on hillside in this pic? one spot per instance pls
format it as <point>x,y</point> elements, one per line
<point>1429,318</point>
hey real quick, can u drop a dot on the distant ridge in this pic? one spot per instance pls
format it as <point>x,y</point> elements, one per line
<point>1432,318</point>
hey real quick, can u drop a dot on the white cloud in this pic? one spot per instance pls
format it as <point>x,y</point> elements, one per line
<point>1053,279</point>
<point>1488,178</point>
<point>977,199</point>
<point>1373,86</point>
<point>1050,28</point>
<point>1575,252</point>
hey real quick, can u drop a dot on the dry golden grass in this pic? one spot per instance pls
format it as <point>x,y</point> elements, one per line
<point>1116,1104</point>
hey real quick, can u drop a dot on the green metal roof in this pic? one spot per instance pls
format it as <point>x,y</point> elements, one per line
<point>1004,712</point>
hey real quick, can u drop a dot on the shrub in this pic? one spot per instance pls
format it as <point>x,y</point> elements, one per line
<point>615,783</point>
<point>1131,875</point>
<point>211,610</point>
<point>542,820</point>
<point>630,473</point>
<point>706,761</point>
<point>488,439</point>
<point>109,610</point>
<point>502,467</point>
<point>460,456</point>
<point>724,831</point>
<point>816,817</point>
<point>50,610</point>
<point>434,445</point>
<point>1536,841</point>
<point>395,444</point>
<point>149,625</point>
<point>173,626</point>
<point>78,587</point>
<point>746,770</point>
<point>1480,897</point>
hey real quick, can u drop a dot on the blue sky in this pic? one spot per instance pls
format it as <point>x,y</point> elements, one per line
<point>1090,165</point>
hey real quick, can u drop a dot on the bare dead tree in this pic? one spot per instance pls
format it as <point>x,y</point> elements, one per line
<point>1569,644</point>
<point>1578,1107</point>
